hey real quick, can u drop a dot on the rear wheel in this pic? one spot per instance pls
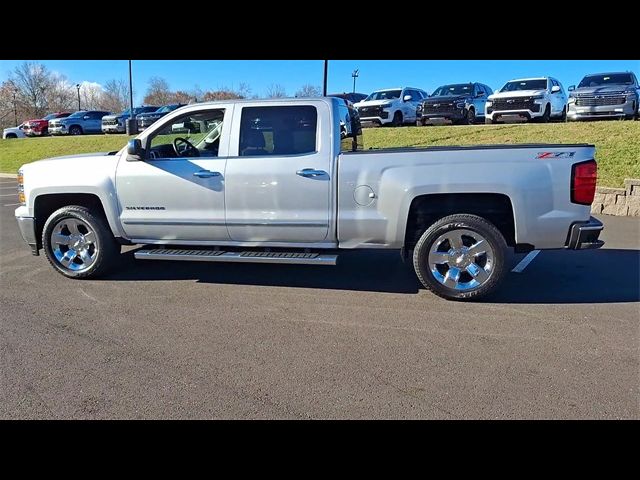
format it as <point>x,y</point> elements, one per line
<point>461,257</point>
<point>397,119</point>
<point>78,242</point>
<point>11,135</point>
<point>563,117</point>
<point>75,130</point>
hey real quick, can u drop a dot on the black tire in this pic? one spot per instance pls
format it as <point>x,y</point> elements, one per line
<point>106,250</point>
<point>75,130</point>
<point>563,117</point>
<point>419,123</point>
<point>470,117</point>
<point>546,116</point>
<point>451,223</point>
<point>397,119</point>
<point>489,121</point>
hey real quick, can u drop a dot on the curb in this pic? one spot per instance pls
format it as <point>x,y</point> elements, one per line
<point>8,175</point>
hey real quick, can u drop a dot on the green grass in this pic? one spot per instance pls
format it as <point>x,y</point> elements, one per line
<point>617,143</point>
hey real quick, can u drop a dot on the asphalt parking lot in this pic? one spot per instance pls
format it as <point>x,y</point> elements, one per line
<point>360,340</point>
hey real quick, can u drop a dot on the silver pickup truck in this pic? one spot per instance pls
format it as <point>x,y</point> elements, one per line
<point>288,181</point>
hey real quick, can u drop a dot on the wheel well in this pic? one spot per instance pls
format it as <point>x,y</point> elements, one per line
<point>46,204</point>
<point>75,125</point>
<point>11,135</point>
<point>425,210</point>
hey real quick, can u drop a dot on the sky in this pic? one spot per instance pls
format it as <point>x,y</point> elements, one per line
<point>292,74</point>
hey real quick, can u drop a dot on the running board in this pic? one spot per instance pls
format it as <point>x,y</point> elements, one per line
<point>247,257</point>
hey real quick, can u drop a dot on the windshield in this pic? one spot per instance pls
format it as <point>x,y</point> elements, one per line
<point>384,95</point>
<point>166,108</point>
<point>610,79</point>
<point>540,84</point>
<point>459,89</point>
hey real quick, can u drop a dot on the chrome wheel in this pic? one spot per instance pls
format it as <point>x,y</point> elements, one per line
<point>74,244</point>
<point>461,259</point>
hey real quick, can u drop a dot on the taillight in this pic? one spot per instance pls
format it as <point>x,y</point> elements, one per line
<point>583,182</point>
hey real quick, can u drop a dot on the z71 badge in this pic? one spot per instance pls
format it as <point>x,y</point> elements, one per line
<point>555,154</point>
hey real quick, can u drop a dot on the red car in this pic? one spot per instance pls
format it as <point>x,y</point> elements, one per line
<point>40,126</point>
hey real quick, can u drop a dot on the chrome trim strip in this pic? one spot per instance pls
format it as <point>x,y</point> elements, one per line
<point>229,224</point>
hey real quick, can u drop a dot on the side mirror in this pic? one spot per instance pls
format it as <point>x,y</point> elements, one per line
<point>407,98</point>
<point>555,89</point>
<point>572,88</point>
<point>134,148</point>
<point>86,117</point>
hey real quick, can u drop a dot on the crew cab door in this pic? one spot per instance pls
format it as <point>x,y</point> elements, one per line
<point>92,122</point>
<point>175,192</point>
<point>279,173</point>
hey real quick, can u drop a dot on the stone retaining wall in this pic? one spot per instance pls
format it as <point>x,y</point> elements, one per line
<point>618,201</point>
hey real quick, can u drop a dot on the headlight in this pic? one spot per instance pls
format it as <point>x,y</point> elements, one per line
<point>571,100</point>
<point>460,105</point>
<point>537,97</point>
<point>21,197</point>
<point>489,103</point>
<point>385,105</point>
<point>419,107</point>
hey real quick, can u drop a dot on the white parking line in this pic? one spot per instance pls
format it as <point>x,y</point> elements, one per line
<point>7,188</point>
<point>11,204</point>
<point>525,261</point>
<point>8,195</point>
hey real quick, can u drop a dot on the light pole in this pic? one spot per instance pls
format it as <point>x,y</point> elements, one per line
<point>355,75</point>
<point>326,71</point>
<point>131,125</point>
<point>15,110</point>
<point>78,88</point>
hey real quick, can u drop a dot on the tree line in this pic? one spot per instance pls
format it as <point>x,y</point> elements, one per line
<point>32,91</point>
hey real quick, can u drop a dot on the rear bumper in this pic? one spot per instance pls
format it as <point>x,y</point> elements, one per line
<point>27,226</point>
<point>584,235</point>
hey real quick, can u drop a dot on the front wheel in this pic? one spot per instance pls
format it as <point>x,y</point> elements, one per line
<point>397,119</point>
<point>461,257</point>
<point>75,130</point>
<point>546,116</point>
<point>563,117</point>
<point>78,242</point>
<point>470,117</point>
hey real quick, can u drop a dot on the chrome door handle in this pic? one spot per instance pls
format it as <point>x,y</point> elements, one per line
<point>206,174</point>
<point>310,172</point>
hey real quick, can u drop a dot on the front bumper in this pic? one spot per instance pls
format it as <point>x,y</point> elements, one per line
<point>626,109</point>
<point>27,226</point>
<point>511,115</point>
<point>113,129</point>
<point>59,130</point>
<point>444,117</point>
<point>584,235</point>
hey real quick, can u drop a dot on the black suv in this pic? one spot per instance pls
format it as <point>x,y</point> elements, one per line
<point>454,103</point>
<point>147,118</point>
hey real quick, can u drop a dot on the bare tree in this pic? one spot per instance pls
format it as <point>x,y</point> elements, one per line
<point>181,97</point>
<point>115,96</point>
<point>221,94</point>
<point>158,92</point>
<point>309,90</point>
<point>275,90</point>
<point>60,94</point>
<point>92,96</point>
<point>32,80</point>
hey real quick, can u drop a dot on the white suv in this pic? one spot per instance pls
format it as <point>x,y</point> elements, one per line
<point>394,106</point>
<point>528,99</point>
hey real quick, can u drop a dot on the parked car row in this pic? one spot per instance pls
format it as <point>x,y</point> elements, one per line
<point>604,95</point>
<point>88,121</point>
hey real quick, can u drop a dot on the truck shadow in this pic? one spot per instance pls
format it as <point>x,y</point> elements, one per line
<point>555,276</point>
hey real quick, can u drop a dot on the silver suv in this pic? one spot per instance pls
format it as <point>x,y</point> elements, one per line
<point>604,95</point>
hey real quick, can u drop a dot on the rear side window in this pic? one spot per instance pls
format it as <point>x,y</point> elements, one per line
<point>278,130</point>
<point>350,129</point>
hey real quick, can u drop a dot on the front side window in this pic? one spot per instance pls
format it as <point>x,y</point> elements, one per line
<point>195,134</point>
<point>278,130</point>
